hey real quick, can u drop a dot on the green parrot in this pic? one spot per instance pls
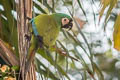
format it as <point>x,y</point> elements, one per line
<point>46,27</point>
<point>45,30</point>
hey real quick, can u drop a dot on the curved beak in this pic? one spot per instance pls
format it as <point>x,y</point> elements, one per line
<point>69,25</point>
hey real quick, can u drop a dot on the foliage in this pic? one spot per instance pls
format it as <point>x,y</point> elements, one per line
<point>62,64</point>
<point>8,73</point>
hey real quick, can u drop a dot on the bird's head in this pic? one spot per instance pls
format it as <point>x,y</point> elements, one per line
<point>63,20</point>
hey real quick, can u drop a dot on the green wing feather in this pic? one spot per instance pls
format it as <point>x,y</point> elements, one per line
<point>47,28</point>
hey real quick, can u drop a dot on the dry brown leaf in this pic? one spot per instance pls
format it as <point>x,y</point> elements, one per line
<point>80,22</point>
<point>116,33</point>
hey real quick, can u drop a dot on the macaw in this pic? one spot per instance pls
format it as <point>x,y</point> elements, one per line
<point>45,30</point>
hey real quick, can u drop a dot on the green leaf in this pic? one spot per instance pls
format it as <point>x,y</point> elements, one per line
<point>16,68</point>
<point>47,55</point>
<point>82,8</point>
<point>112,4</point>
<point>98,71</point>
<point>77,42</point>
<point>68,3</point>
<point>39,8</point>
<point>48,6</point>
<point>105,3</point>
<point>11,24</point>
<point>1,78</point>
<point>44,72</point>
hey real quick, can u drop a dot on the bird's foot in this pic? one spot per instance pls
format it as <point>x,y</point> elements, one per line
<point>28,37</point>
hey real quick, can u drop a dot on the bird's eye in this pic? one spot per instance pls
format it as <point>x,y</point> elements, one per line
<point>65,21</point>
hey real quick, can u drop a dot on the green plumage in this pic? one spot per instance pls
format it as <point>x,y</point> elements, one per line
<point>48,28</point>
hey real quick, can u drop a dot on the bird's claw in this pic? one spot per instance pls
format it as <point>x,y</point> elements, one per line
<point>28,37</point>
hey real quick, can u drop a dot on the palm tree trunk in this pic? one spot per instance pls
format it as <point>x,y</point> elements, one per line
<point>24,9</point>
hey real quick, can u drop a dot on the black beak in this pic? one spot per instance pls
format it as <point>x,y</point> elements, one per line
<point>69,25</point>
